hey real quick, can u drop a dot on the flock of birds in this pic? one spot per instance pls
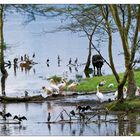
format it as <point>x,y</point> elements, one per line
<point>101,97</point>
<point>19,118</point>
<point>55,88</point>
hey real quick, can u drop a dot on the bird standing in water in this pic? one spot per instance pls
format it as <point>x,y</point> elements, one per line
<point>70,61</point>
<point>49,117</point>
<point>99,95</point>
<point>61,116</point>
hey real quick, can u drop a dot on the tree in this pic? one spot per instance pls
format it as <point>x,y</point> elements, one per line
<point>124,27</point>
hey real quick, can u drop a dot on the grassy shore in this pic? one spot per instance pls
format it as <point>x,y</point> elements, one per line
<point>89,84</point>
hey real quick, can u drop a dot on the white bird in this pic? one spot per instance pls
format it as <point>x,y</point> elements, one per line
<point>99,95</point>
<point>72,86</point>
<point>54,86</point>
<point>62,85</point>
<point>48,90</point>
<point>110,85</point>
<point>102,83</point>
<point>137,93</point>
<point>124,93</point>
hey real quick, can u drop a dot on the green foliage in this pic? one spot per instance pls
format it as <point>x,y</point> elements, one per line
<point>136,134</point>
<point>90,84</point>
<point>127,105</point>
<point>57,79</point>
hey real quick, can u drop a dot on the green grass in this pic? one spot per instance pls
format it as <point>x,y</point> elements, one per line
<point>89,84</point>
<point>136,134</point>
<point>126,105</point>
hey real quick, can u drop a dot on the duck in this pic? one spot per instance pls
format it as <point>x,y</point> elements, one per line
<point>19,118</point>
<point>137,93</point>
<point>99,95</point>
<point>62,85</point>
<point>102,83</point>
<point>72,86</point>
<point>54,86</point>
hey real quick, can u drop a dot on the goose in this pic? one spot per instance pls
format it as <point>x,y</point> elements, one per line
<point>137,93</point>
<point>54,86</point>
<point>99,95</point>
<point>72,86</point>
<point>62,85</point>
<point>102,83</point>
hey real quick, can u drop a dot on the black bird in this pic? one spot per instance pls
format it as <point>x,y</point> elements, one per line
<point>61,116</point>
<point>21,58</point>
<point>48,60</point>
<point>7,115</point>
<point>15,60</point>
<point>70,61</point>
<point>33,55</point>
<point>83,109</point>
<point>19,118</point>
<point>26,93</point>
<point>72,113</point>
<point>76,60</point>
<point>49,117</point>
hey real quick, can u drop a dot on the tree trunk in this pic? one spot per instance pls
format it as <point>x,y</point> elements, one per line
<point>2,68</point>
<point>89,55</point>
<point>131,89</point>
<point>120,93</point>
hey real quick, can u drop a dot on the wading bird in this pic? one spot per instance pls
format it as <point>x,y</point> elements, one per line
<point>72,86</point>
<point>49,117</point>
<point>99,95</point>
<point>62,85</point>
<point>54,86</point>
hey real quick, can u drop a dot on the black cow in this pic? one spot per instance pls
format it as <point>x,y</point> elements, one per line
<point>97,62</point>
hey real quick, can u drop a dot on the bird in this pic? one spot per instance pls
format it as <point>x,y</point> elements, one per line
<point>19,118</point>
<point>124,93</point>
<point>137,93</point>
<point>76,60</point>
<point>47,60</point>
<point>61,116</point>
<point>99,95</point>
<point>110,85</point>
<point>102,83</point>
<point>72,86</point>
<point>26,93</point>
<point>72,113</point>
<point>62,85</point>
<point>54,86</point>
<point>70,61</point>
<point>33,55</point>
<point>7,115</point>
<point>83,109</point>
<point>48,90</point>
<point>49,117</point>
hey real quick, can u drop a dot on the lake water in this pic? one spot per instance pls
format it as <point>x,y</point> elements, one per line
<point>28,39</point>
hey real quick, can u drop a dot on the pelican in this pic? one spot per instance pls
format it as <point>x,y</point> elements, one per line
<point>137,93</point>
<point>72,86</point>
<point>124,93</point>
<point>54,86</point>
<point>48,90</point>
<point>102,83</point>
<point>99,95</point>
<point>62,85</point>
